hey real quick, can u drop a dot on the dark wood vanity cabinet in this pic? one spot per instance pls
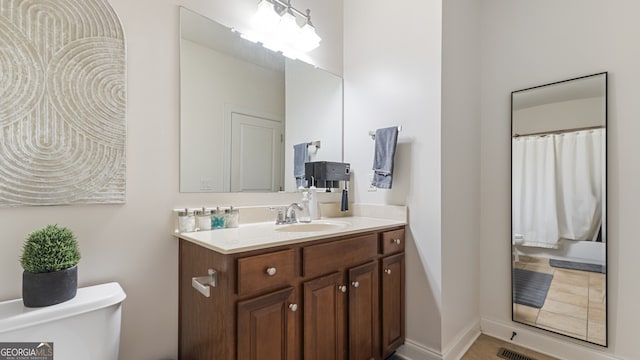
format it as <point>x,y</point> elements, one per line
<point>392,291</point>
<point>266,326</point>
<point>325,304</point>
<point>340,298</point>
<point>392,302</point>
<point>364,328</point>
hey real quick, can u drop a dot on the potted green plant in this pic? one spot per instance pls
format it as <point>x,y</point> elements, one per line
<point>50,259</point>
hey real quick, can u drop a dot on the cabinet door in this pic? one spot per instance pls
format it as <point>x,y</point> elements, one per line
<point>392,283</point>
<point>364,330</point>
<point>325,318</point>
<point>266,327</point>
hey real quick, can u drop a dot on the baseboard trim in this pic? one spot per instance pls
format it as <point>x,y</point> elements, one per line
<point>545,343</point>
<point>412,350</point>
<point>462,342</point>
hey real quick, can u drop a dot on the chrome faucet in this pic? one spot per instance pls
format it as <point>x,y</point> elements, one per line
<point>287,215</point>
<point>291,213</point>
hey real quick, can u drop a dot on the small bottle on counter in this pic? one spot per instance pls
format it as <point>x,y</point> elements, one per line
<point>186,221</point>
<point>217,219</point>
<point>306,214</point>
<point>314,205</point>
<point>203,219</point>
<point>232,217</point>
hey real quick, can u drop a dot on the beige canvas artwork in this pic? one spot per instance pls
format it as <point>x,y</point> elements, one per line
<point>62,103</point>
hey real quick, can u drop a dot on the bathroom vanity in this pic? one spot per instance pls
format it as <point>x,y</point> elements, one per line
<point>325,290</point>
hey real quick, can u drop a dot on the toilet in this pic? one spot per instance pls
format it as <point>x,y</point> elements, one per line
<point>85,327</point>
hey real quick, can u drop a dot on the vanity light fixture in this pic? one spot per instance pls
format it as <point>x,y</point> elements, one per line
<point>308,39</point>
<point>276,28</point>
<point>266,17</point>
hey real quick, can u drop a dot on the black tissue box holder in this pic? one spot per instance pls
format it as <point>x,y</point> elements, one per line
<point>326,174</point>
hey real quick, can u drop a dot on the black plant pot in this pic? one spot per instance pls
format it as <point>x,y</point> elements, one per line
<point>50,288</point>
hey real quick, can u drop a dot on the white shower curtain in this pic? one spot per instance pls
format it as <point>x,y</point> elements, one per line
<point>557,187</point>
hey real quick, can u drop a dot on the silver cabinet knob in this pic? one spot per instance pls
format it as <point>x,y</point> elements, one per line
<point>396,241</point>
<point>293,307</point>
<point>271,271</point>
<point>355,284</point>
<point>342,288</point>
<point>387,271</point>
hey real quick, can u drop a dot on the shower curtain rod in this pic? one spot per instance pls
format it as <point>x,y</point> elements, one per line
<point>562,131</point>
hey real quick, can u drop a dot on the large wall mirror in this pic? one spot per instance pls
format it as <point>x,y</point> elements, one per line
<point>243,107</point>
<point>559,197</point>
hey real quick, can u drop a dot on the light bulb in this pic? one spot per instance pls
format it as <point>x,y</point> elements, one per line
<point>308,38</point>
<point>288,30</point>
<point>266,18</point>
<point>281,32</point>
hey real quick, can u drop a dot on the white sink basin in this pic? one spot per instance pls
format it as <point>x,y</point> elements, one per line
<point>315,226</point>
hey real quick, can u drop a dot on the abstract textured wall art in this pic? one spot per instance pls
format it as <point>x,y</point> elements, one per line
<point>62,103</point>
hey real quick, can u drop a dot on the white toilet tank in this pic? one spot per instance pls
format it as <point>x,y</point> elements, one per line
<point>86,327</point>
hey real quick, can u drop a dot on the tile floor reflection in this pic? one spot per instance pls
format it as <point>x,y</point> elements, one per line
<point>575,304</point>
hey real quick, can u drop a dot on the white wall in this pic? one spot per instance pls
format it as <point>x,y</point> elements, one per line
<point>460,174</point>
<point>392,63</point>
<point>422,72</point>
<point>131,243</point>
<point>562,115</point>
<point>526,43</point>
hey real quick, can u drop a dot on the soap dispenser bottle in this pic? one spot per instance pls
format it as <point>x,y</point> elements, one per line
<point>314,205</point>
<point>306,214</point>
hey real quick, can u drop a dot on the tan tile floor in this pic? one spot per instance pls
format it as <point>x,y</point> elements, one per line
<point>486,348</point>
<point>575,304</point>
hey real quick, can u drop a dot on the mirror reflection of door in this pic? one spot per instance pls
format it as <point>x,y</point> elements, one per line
<point>256,152</point>
<point>558,189</point>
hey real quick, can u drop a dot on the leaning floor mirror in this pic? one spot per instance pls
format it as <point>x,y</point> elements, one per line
<point>558,209</point>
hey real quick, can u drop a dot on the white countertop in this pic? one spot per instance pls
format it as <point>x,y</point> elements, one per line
<point>266,234</point>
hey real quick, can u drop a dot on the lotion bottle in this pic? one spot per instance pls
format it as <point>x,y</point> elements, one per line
<point>314,205</point>
<point>306,214</point>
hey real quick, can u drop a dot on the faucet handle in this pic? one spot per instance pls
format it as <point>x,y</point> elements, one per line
<point>292,216</point>
<point>280,217</point>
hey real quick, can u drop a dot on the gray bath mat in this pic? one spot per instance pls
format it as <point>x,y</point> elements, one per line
<point>578,266</point>
<point>530,288</point>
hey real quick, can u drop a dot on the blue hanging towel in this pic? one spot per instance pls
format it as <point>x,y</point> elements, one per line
<point>300,156</point>
<point>385,150</point>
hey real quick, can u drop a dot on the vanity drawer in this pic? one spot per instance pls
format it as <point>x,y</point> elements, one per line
<point>266,271</point>
<point>392,241</point>
<point>323,258</point>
